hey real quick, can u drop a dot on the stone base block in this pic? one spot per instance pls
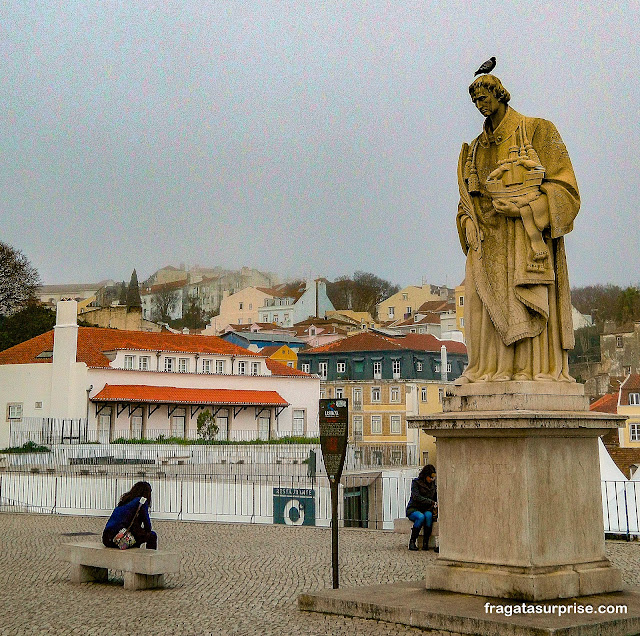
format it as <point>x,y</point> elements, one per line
<point>88,574</point>
<point>526,584</point>
<point>135,581</point>
<point>450,614</point>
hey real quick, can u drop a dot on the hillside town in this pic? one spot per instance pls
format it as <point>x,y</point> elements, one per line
<point>205,331</point>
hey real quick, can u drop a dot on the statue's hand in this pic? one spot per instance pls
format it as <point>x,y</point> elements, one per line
<point>506,207</point>
<point>471,234</point>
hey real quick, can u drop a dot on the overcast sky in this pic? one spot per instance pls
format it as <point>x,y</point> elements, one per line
<point>304,138</point>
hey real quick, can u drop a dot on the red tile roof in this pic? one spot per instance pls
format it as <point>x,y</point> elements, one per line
<point>369,341</point>
<point>435,305</point>
<point>277,368</point>
<point>427,342</point>
<point>430,318</point>
<point>606,404</point>
<point>632,383</point>
<point>94,342</point>
<point>173,395</point>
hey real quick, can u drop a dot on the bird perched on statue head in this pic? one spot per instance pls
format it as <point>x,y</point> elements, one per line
<point>486,67</point>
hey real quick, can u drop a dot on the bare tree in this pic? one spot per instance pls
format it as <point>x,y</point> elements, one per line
<point>19,280</point>
<point>164,303</point>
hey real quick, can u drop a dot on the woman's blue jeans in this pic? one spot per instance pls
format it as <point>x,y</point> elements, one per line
<point>422,519</point>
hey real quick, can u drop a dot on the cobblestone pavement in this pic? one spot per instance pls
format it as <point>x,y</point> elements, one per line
<point>234,579</point>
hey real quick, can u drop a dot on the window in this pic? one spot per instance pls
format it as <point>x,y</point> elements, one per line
<point>306,367</point>
<point>396,368</point>
<point>264,427</point>
<point>38,405</point>
<point>242,367</point>
<point>322,394</point>
<point>376,424</point>
<point>634,432</point>
<point>440,395</point>
<point>409,310</point>
<point>265,317</point>
<point>619,342</point>
<point>322,370</point>
<point>290,365</point>
<point>405,296</point>
<point>169,364</point>
<point>178,420</point>
<point>129,362</point>
<point>423,394</point>
<point>358,366</point>
<point>392,311</point>
<point>339,392</point>
<point>377,370</point>
<point>136,427</point>
<point>396,457</point>
<point>275,318</point>
<point>220,366</point>
<point>461,301</point>
<point>375,394</point>
<point>14,411</point>
<point>250,306</point>
<point>183,365</point>
<point>437,369</point>
<point>298,422</point>
<point>395,424</point>
<point>376,457</point>
<point>240,305</point>
<point>357,426</point>
<point>448,367</point>
<point>286,317</point>
<point>255,368</point>
<point>418,366</point>
<point>634,399</point>
<point>341,367</point>
<point>206,366</point>
<point>144,363</point>
<point>395,394</point>
<point>462,322</point>
<point>357,398</point>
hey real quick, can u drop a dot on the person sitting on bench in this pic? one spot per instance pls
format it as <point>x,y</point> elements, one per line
<point>130,514</point>
<point>423,506</point>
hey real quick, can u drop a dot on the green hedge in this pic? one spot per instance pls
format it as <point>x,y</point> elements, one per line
<point>27,447</point>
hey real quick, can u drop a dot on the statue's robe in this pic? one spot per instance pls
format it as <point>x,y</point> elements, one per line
<point>518,322</point>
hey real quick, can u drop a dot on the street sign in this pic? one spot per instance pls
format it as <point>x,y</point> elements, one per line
<point>334,428</point>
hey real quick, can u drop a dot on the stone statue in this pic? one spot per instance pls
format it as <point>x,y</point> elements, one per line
<point>518,198</point>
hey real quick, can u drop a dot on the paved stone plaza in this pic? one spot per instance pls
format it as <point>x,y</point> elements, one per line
<point>235,579</point>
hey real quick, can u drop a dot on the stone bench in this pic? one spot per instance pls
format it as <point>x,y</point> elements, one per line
<point>404,526</point>
<point>143,569</point>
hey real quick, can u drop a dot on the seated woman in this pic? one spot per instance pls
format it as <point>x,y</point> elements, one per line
<point>423,506</point>
<point>129,514</point>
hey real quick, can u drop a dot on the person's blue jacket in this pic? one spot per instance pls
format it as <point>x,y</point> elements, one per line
<point>121,517</point>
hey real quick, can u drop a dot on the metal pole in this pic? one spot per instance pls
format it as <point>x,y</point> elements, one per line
<point>334,533</point>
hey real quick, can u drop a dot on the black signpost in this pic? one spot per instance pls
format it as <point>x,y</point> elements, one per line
<point>334,418</point>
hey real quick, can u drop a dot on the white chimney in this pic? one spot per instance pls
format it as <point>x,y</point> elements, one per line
<point>67,398</point>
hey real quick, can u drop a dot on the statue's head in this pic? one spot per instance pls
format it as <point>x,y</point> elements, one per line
<point>492,84</point>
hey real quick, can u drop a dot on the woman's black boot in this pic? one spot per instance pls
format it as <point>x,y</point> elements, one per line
<point>414,537</point>
<point>425,538</point>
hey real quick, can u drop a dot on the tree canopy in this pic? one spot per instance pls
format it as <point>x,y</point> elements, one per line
<point>25,324</point>
<point>19,280</point>
<point>133,292</point>
<point>360,292</point>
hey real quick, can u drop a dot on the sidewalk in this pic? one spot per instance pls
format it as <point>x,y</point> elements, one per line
<point>235,579</point>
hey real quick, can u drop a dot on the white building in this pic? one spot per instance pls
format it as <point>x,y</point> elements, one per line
<point>128,383</point>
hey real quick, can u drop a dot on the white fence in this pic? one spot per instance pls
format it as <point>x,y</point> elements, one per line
<point>379,499</point>
<point>621,507</point>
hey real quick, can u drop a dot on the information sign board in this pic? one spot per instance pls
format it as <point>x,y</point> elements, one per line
<point>334,427</point>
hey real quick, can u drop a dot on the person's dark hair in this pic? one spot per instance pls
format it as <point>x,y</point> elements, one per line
<point>493,85</point>
<point>139,489</point>
<point>427,471</point>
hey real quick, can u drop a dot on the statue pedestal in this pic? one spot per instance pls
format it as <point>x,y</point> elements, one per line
<point>519,493</point>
